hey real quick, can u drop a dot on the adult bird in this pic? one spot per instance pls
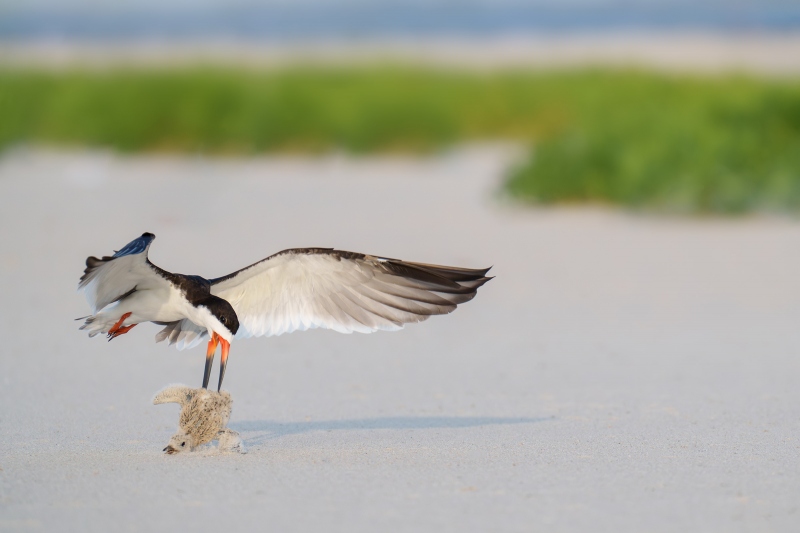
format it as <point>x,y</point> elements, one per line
<point>295,289</point>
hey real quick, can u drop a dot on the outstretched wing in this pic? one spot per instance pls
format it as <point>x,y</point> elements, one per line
<point>112,278</point>
<point>308,288</point>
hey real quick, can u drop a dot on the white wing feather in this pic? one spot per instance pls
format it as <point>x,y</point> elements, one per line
<point>108,279</point>
<point>322,288</point>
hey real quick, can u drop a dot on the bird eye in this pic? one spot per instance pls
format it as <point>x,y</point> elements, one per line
<point>183,444</point>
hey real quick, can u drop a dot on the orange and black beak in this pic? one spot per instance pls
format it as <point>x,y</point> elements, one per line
<point>226,346</point>
<point>212,349</point>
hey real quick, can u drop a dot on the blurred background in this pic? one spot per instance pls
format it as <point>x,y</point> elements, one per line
<point>303,19</point>
<point>666,105</point>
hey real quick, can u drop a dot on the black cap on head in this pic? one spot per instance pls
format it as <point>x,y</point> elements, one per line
<point>223,311</point>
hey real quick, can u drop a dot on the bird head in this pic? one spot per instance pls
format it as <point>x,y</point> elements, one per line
<point>220,317</point>
<point>180,442</point>
<point>222,324</point>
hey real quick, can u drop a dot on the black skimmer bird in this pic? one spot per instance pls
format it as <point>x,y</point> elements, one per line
<point>295,289</point>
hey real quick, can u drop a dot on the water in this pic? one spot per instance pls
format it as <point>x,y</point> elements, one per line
<point>323,19</point>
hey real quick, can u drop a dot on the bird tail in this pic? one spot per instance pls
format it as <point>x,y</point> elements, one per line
<point>103,321</point>
<point>92,325</point>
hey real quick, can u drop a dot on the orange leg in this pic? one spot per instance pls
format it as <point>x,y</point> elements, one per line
<point>118,329</point>
<point>116,326</point>
<point>123,331</point>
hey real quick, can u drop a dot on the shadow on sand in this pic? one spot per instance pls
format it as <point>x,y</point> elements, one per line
<point>271,429</point>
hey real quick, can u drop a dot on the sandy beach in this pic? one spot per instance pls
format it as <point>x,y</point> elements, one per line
<point>621,373</point>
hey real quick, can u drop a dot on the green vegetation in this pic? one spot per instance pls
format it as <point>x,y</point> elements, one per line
<point>642,140</point>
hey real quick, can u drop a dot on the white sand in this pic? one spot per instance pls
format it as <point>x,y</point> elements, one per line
<point>620,374</point>
<point>773,54</point>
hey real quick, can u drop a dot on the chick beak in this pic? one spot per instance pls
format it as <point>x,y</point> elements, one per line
<point>212,349</point>
<point>226,346</point>
<point>170,450</point>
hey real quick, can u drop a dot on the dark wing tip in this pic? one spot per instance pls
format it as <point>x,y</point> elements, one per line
<point>92,263</point>
<point>136,246</point>
<point>446,275</point>
<point>455,284</point>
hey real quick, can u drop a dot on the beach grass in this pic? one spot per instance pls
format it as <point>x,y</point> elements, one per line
<point>643,140</point>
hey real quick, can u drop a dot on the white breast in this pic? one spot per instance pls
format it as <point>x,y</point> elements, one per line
<point>159,305</point>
